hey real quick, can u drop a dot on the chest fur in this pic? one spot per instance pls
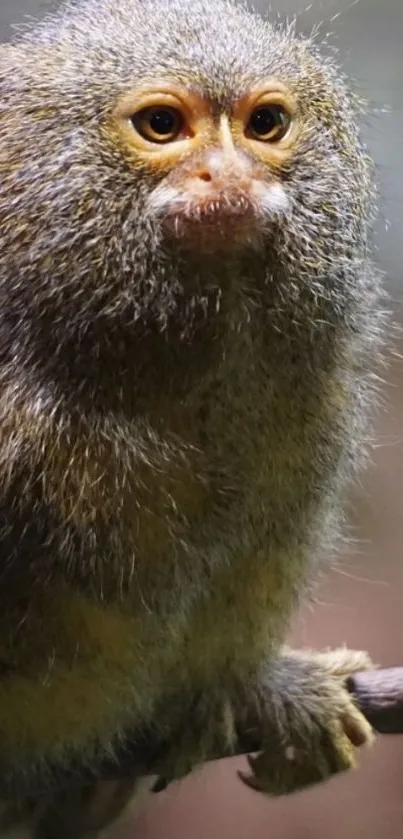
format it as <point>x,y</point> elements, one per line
<point>232,467</point>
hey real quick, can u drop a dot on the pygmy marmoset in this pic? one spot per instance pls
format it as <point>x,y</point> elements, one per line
<point>189,318</point>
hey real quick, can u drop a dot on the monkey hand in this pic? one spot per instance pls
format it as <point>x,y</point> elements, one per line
<point>310,725</point>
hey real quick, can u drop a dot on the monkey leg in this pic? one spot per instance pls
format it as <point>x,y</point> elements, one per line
<point>91,811</point>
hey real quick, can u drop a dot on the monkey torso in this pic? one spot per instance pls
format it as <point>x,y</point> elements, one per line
<point>158,548</point>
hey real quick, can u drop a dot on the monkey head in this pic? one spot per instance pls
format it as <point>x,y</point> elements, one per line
<point>163,145</point>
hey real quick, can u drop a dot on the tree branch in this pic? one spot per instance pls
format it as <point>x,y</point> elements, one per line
<point>379,694</point>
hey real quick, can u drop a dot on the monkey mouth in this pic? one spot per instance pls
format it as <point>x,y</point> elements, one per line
<point>222,221</point>
<point>216,220</point>
<point>223,213</point>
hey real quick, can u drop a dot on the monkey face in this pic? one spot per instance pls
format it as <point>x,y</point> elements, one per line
<point>217,169</point>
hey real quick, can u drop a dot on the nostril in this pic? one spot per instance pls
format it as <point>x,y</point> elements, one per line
<point>205,175</point>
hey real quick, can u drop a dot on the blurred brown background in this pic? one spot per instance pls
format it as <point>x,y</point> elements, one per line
<point>359,603</point>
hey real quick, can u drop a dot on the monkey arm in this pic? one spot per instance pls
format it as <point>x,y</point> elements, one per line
<point>379,695</point>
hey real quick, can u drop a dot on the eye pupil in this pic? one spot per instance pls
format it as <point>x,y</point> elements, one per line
<point>162,122</point>
<point>269,122</point>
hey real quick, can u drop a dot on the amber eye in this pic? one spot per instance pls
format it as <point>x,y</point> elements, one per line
<point>269,123</point>
<point>158,124</point>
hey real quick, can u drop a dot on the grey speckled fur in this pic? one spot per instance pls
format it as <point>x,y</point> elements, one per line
<point>177,431</point>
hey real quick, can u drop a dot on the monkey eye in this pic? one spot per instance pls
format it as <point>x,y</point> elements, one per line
<point>158,124</point>
<point>269,123</point>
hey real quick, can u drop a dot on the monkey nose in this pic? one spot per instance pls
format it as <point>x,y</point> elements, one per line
<point>204,174</point>
<point>219,170</point>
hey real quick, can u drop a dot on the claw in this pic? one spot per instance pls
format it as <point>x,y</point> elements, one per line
<point>160,785</point>
<point>251,780</point>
